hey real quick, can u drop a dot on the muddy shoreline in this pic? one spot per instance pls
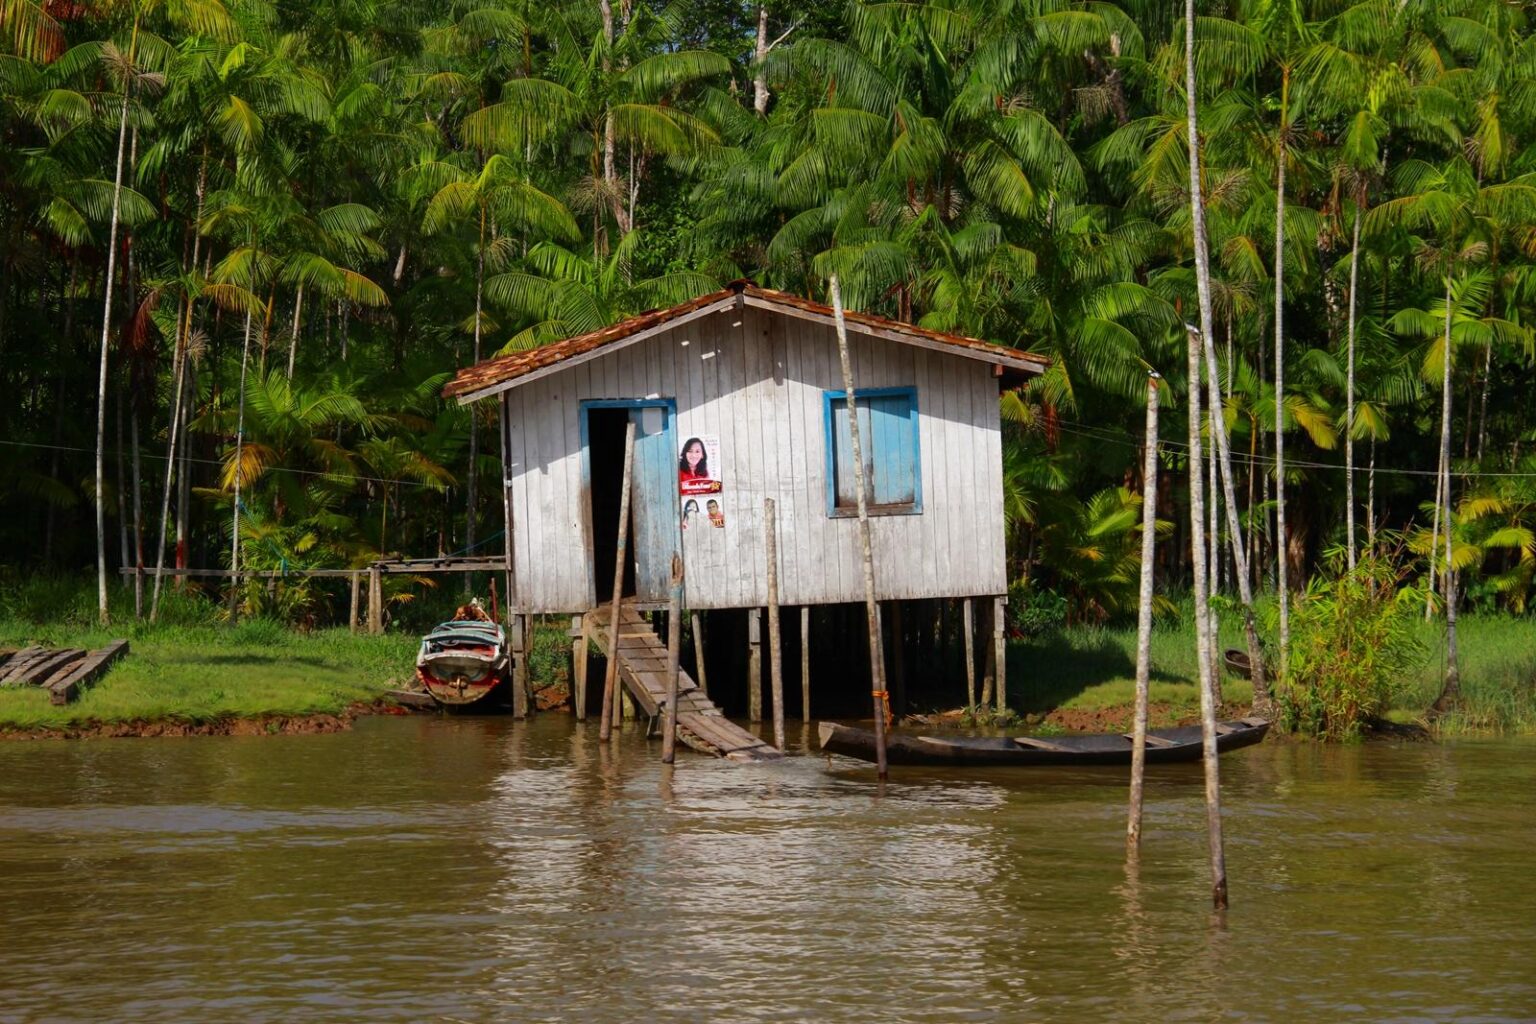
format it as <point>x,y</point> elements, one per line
<point>258,725</point>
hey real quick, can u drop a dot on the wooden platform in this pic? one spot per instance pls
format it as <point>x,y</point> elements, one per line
<point>63,672</point>
<point>643,670</point>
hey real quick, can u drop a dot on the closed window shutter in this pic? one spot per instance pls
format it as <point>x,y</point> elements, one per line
<point>889,446</point>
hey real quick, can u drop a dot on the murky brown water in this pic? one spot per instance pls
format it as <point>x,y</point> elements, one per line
<point>474,870</point>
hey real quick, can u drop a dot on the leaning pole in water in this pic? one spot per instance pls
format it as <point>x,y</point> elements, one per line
<point>871,607</point>
<point>1144,619</point>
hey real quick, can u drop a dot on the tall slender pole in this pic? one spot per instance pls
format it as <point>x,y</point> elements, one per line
<point>1144,618</point>
<point>1196,495</point>
<point>775,646</point>
<point>674,650</point>
<point>871,607</point>
<point>610,682</point>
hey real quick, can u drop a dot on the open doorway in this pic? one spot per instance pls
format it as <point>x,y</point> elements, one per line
<point>605,447</point>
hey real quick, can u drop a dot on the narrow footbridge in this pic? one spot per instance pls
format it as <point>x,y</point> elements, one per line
<point>642,661</point>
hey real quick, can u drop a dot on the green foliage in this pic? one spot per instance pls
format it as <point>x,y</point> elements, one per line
<point>1353,649</point>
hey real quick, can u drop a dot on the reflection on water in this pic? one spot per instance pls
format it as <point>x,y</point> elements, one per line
<point>473,870</point>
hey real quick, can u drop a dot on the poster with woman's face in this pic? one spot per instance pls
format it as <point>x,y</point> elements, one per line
<point>698,481</point>
<point>697,463</point>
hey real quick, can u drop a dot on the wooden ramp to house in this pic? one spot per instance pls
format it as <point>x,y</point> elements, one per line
<point>643,669</point>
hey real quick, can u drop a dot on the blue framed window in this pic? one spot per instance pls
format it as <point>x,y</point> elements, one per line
<point>888,439</point>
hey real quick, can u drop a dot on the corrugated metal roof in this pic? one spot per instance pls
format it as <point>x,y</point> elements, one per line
<point>493,374</point>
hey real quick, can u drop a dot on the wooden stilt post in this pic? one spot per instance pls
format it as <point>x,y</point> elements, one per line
<point>775,645</point>
<point>579,667</point>
<point>375,601</point>
<point>352,609</point>
<point>1000,647</point>
<point>522,640</point>
<point>861,494</point>
<point>611,681</point>
<point>805,663</point>
<point>988,656</point>
<point>674,650</point>
<point>697,622</point>
<point>754,665</point>
<point>970,653</point>
<point>897,671</point>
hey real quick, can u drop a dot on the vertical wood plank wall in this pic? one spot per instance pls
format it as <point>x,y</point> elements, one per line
<point>756,379</point>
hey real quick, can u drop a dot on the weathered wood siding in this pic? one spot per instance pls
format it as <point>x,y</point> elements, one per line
<point>757,379</point>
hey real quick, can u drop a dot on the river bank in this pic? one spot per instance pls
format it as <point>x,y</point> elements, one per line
<point>262,678</point>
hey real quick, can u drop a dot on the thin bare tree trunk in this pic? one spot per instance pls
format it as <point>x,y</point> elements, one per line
<point>1370,500</point>
<point>234,538</point>
<point>179,361</point>
<point>1196,485</point>
<point>760,73</point>
<point>1349,398</point>
<point>293,342</point>
<point>470,486</point>
<point>1482,416</point>
<point>106,328</point>
<point>138,519</point>
<point>1441,501</point>
<point>1144,619</point>
<point>1450,693</point>
<point>1263,703</point>
<point>1282,547</point>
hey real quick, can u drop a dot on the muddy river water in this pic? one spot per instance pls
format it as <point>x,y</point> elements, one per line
<point>425,869</point>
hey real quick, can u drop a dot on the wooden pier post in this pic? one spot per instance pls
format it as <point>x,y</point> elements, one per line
<point>877,690</point>
<point>805,663</point>
<point>775,645</point>
<point>357,579</point>
<point>522,640</point>
<point>754,665</point>
<point>674,651</point>
<point>697,622</point>
<point>970,653</point>
<point>1000,647</point>
<point>375,601</point>
<point>611,681</point>
<point>579,667</point>
<point>897,672</point>
<point>988,656</point>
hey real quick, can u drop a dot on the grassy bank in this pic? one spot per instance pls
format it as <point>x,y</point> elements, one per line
<point>1088,668</point>
<point>196,674</point>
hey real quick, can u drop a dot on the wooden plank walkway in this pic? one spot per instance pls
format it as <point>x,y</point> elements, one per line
<point>62,672</point>
<point>643,669</point>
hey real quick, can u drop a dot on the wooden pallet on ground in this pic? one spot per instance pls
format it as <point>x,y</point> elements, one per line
<point>63,672</point>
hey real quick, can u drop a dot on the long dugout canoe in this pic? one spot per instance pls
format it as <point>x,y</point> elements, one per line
<point>1164,746</point>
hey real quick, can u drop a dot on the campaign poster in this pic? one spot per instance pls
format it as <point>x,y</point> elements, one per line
<point>698,482</point>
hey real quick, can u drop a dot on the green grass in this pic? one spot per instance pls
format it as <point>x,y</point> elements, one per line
<point>1091,668</point>
<point>203,673</point>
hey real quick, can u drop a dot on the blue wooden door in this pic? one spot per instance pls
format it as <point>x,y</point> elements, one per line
<point>656,525</point>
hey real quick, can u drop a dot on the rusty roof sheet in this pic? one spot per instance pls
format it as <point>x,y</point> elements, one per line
<point>501,370</point>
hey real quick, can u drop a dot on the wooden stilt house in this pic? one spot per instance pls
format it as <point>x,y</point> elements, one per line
<point>737,396</point>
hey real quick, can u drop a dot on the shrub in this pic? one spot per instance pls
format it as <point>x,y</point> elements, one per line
<point>1354,647</point>
<point>1034,611</point>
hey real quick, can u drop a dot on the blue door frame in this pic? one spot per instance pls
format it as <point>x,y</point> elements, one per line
<point>657,530</point>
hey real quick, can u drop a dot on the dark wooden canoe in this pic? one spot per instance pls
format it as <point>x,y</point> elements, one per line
<point>1164,746</point>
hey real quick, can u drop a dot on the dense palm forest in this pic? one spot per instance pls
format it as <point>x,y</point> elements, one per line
<point>243,244</point>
